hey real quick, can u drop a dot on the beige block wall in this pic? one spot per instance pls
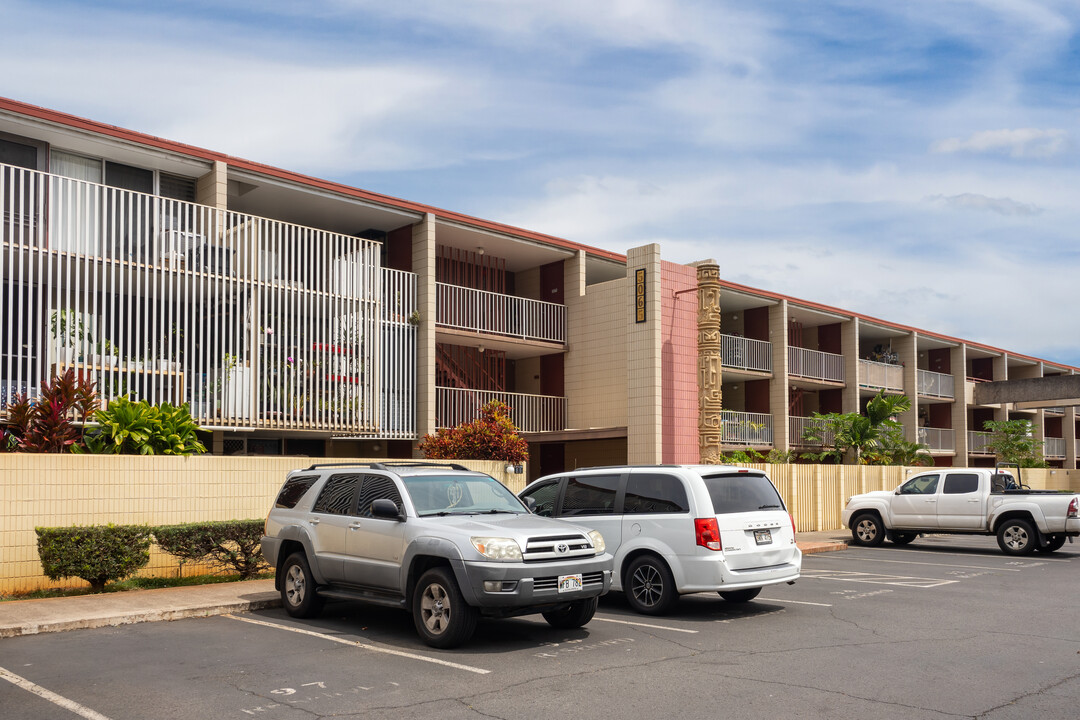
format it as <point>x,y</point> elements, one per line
<point>213,188</point>
<point>423,264</point>
<point>64,490</point>
<point>644,388</point>
<point>595,366</point>
<point>778,386</point>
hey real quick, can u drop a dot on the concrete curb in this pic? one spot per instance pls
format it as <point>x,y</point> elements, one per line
<point>813,548</point>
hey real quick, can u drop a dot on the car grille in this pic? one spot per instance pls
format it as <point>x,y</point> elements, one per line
<point>588,580</point>
<point>540,549</point>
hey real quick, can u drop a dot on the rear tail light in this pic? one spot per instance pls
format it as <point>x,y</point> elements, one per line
<point>792,524</point>
<point>708,533</point>
<point>1073,508</point>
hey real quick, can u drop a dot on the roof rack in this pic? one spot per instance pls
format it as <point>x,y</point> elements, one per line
<point>389,465</point>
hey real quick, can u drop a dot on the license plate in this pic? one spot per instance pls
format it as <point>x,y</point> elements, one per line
<point>763,537</point>
<point>570,583</point>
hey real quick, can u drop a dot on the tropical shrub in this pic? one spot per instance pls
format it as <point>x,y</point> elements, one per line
<point>139,428</point>
<point>47,423</point>
<point>96,553</point>
<point>233,544</point>
<point>491,437</point>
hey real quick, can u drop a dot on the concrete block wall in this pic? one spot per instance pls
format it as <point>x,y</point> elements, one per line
<point>595,366</point>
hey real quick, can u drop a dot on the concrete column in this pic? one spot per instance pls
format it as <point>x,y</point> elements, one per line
<point>849,347</point>
<point>423,264</point>
<point>958,366</point>
<point>1068,431</point>
<point>574,277</point>
<point>907,349</point>
<point>644,422</point>
<point>778,386</point>
<point>1001,372</point>
<point>710,364</point>
<point>213,188</point>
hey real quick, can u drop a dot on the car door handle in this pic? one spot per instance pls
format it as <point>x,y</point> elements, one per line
<point>931,500</point>
<point>313,521</point>
<point>973,500</point>
<point>355,526</point>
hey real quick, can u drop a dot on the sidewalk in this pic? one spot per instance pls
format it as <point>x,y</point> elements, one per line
<point>30,617</point>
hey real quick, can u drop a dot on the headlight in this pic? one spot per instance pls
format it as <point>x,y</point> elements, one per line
<point>497,548</point>
<point>597,541</point>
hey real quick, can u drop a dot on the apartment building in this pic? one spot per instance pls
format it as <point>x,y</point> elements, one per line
<point>301,316</point>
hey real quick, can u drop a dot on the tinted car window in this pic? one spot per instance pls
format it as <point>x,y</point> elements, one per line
<point>293,490</point>
<point>655,493</point>
<point>377,487</point>
<point>590,495</point>
<point>338,496</point>
<point>920,485</point>
<point>544,497</point>
<point>961,483</point>
<point>742,492</point>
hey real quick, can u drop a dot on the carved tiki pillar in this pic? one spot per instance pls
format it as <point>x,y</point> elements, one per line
<point>709,395</point>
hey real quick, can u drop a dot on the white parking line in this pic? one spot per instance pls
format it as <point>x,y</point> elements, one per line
<point>645,625</point>
<point>913,562</point>
<point>363,646</point>
<point>1033,558</point>
<point>795,602</point>
<point>52,697</point>
<point>874,578</point>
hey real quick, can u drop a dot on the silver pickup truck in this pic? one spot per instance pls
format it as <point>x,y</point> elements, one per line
<point>443,542</point>
<point>979,501</point>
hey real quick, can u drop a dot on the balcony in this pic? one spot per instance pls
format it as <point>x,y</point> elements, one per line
<point>797,427</point>
<point>743,428</point>
<point>530,413</point>
<point>815,365</point>
<point>979,443</point>
<point>1054,448</point>
<point>881,376</point>
<point>741,353</point>
<point>480,311</point>
<point>937,439</point>
<point>934,384</point>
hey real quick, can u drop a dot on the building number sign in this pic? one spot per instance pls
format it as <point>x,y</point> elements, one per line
<point>639,295</point>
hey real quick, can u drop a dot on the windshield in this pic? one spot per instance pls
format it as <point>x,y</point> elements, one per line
<point>460,495</point>
<point>742,492</point>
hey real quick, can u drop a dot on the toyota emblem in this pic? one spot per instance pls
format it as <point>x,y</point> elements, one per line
<point>562,549</point>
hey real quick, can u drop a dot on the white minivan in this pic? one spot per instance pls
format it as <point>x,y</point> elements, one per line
<point>677,529</point>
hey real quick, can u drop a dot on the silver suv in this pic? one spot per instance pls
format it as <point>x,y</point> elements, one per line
<point>677,529</point>
<point>441,541</point>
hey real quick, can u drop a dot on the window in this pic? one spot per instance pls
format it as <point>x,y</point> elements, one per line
<point>961,483</point>
<point>18,154</point>
<point>920,485</point>
<point>655,493</point>
<point>338,496</point>
<point>176,187</point>
<point>293,490</point>
<point>378,487</point>
<point>590,495</point>
<point>544,497</point>
<point>742,492</point>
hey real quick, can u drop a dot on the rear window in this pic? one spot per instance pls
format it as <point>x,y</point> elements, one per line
<point>590,495</point>
<point>338,496</point>
<point>293,490</point>
<point>742,492</point>
<point>655,493</point>
<point>961,483</point>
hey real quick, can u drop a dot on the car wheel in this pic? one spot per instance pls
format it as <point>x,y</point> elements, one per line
<point>442,617</point>
<point>576,614</point>
<point>298,589</point>
<point>1016,537</point>
<point>903,538</point>
<point>649,586</point>
<point>740,596</point>
<point>867,530</point>
<point>1053,544</point>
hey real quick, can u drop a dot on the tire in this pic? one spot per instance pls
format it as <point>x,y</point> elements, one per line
<point>1053,544</point>
<point>903,538</point>
<point>1017,537</point>
<point>442,617</point>
<point>740,596</point>
<point>299,594</point>
<point>579,613</point>
<point>867,530</point>
<point>649,587</point>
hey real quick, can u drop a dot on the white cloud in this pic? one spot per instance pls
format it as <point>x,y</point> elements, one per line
<point>1019,143</point>
<point>973,201</point>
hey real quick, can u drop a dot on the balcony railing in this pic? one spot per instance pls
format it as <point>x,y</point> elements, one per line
<point>481,311</point>
<point>979,443</point>
<point>937,439</point>
<point>815,365</point>
<point>530,413</point>
<point>934,384</point>
<point>1054,410</point>
<point>745,353</point>
<point>797,427</point>
<point>254,322</point>
<point>743,428</point>
<point>881,376</point>
<point>1054,447</point>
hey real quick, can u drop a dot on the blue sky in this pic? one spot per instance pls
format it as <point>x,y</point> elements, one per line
<point>914,161</point>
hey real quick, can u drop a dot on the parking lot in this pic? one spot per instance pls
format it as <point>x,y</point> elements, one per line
<point>946,627</point>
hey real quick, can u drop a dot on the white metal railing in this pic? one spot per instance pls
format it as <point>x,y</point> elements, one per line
<point>254,322</point>
<point>881,376</point>
<point>743,428</point>
<point>398,387</point>
<point>815,364</point>
<point>940,439</point>
<point>1054,447</point>
<point>979,443</point>
<point>797,427</point>
<point>482,311</point>
<point>530,413</point>
<point>745,353</point>
<point>935,384</point>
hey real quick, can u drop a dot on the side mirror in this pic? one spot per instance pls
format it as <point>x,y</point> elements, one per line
<point>897,492</point>
<point>386,509</point>
<point>531,504</point>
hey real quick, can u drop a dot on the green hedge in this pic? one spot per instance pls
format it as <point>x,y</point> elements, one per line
<point>232,544</point>
<point>96,553</point>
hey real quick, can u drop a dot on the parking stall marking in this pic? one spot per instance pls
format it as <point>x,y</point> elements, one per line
<point>795,602</point>
<point>937,553</point>
<point>875,578</point>
<point>58,700</point>
<point>362,645</point>
<point>644,625</point>
<point>916,562</point>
